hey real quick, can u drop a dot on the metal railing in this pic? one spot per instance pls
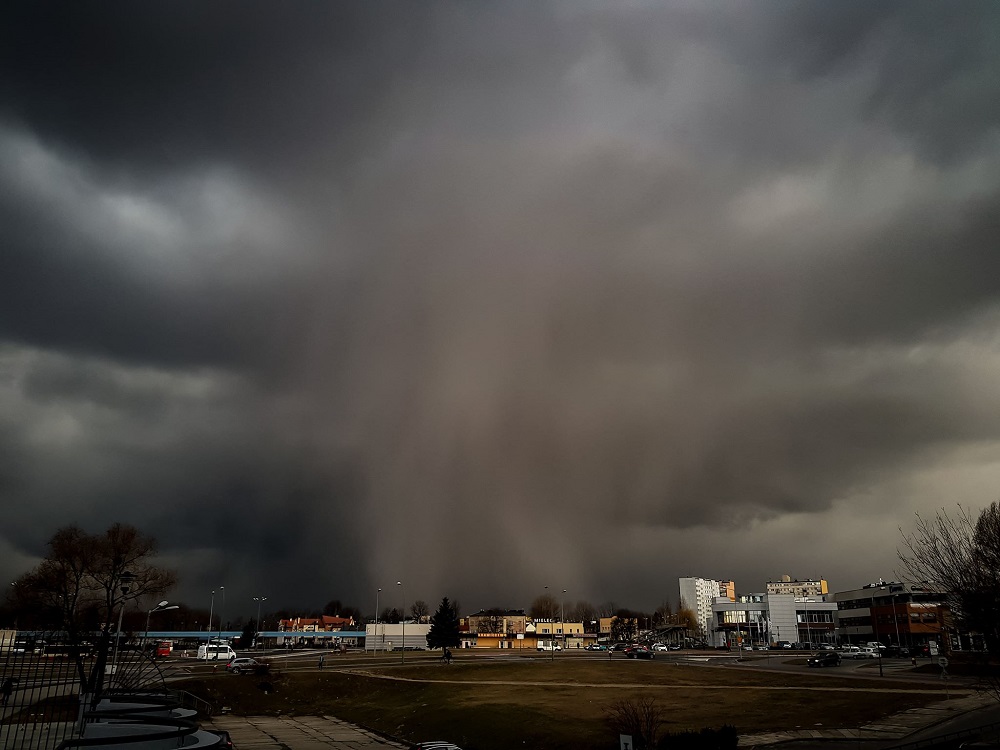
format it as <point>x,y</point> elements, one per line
<point>41,683</point>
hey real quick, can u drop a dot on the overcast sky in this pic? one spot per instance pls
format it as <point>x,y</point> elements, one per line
<point>488,297</point>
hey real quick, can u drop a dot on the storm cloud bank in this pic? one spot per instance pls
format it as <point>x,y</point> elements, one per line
<point>490,297</point>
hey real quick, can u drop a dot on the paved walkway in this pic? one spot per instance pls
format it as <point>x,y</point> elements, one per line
<point>297,733</point>
<point>894,727</point>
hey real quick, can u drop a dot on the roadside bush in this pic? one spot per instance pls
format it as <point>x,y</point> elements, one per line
<point>639,718</point>
<point>724,738</point>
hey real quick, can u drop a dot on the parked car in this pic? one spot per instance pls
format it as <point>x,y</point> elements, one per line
<point>867,652</point>
<point>639,652</point>
<point>595,647</point>
<point>824,659</point>
<point>898,651</point>
<point>241,665</point>
<point>659,647</point>
<point>677,647</point>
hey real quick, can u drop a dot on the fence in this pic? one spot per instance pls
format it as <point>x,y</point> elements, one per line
<point>41,683</point>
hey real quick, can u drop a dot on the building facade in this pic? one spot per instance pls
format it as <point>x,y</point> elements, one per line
<point>769,619</point>
<point>905,614</point>
<point>698,595</point>
<point>809,587</point>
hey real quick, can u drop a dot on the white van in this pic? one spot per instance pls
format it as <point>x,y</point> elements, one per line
<point>214,652</point>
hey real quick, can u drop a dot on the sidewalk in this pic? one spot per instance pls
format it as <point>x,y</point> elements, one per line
<point>298,732</point>
<point>894,727</point>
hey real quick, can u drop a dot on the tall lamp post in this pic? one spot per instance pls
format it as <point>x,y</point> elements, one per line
<point>260,600</point>
<point>161,607</point>
<point>875,631</point>
<point>211,611</point>
<point>125,582</point>
<point>562,617</point>
<point>895,618</point>
<point>805,602</point>
<point>375,634</point>
<point>221,610</point>
<point>402,620</point>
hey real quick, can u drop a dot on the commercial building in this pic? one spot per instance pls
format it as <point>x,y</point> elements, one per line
<point>767,619</point>
<point>389,636</point>
<point>894,613</point>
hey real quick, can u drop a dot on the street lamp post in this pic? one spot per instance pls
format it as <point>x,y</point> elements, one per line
<point>562,617</point>
<point>375,634</point>
<point>222,609</point>
<point>211,611</point>
<point>805,602</point>
<point>260,600</point>
<point>875,632</point>
<point>161,607</point>
<point>895,618</point>
<point>125,582</point>
<point>402,620</point>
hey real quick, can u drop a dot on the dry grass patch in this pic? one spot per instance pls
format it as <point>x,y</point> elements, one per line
<point>483,706</point>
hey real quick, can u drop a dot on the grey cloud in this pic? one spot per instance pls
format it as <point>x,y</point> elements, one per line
<point>365,289</point>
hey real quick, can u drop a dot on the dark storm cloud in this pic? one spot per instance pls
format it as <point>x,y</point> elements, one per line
<point>457,294</point>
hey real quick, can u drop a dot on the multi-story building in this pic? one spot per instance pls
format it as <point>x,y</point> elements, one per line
<point>809,587</point>
<point>506,621</point>
<point>764,619</point>
<point>902,614</point>
<point>698,595</point>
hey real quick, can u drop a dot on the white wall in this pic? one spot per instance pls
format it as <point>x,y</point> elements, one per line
<point>390,636</point>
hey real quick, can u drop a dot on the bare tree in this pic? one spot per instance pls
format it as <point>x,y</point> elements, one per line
<point>544,607</point>
<point>582,611</point>
<point>641,718</point>
<point>420,611</point>
<point>663,614</point>
<point>686,618</point>
<point>94,573</point>
<point>961,555</point>
<point>489,621</point>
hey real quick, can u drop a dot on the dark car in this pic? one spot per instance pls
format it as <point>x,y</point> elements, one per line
<point>824,659</point>
<point>639,652</point>
<point>239,666</point>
